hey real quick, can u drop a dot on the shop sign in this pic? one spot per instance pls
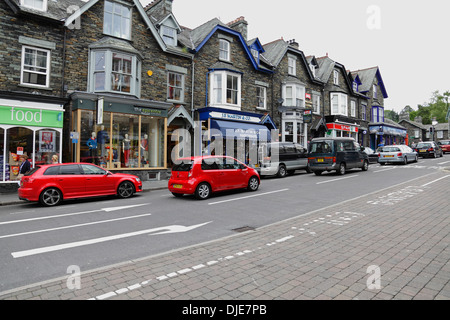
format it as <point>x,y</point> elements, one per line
<point>307,116</point>
<point>233,116</point>
<point>31,117</point>
<point>342,127</point>
<point>150,112</point>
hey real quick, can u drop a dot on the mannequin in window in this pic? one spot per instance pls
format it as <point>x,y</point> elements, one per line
<point>92,144</point>
<point>102,140</point>
<point>144,148</point>
<point>126,145</point>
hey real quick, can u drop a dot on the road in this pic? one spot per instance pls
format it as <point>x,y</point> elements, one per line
<point>38,244</point>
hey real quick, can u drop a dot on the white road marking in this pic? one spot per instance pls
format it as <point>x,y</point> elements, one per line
<point>73,226</point>
<point>426,184</point>
<point>252,196</point>
<point>332,180</point>
<point>444,162</point>
<point>25,253</point>
<point>384,169</point>
<point>73,214</point>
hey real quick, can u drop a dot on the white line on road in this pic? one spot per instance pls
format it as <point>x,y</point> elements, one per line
<point>426,184</point>
<point>385,169</point>
<point>73,214</point>
<point>174,228</point>
<point>444,162</point>
<point>332,180</point>
<point>252,196</point>
<point>73,226</point>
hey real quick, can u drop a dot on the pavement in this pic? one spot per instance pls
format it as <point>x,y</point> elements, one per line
<point>391,244</point>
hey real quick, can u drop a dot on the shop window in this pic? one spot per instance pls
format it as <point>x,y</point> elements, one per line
<point>2,155</point>
<point>47,146</point>
<point>19,141</point>
<point>152,142</point>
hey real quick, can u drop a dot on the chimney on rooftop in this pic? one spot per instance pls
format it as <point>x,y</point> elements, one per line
<point>240,25</point>
<point>293,43</point>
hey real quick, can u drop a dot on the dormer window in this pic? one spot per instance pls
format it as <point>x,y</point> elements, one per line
<point>292,66</point>
<point>355,86</point>
<point>169,35</point>
<point>255,54</point>
<point>313,69</point>
<point>336,77</point>
<point>117,20</point>
<point>40,5</point>
<point>224,50</point>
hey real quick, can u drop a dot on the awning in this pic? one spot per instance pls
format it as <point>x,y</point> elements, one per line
<point>240,130</point>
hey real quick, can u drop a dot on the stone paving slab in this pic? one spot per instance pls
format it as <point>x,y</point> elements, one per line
<point>390,244</point>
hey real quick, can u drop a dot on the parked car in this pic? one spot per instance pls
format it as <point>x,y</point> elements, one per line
<point>53,183</point>
<point>281,159</point>
<point>396,154</point>
<point>336,154</point>
<point>203,175</point>
<point>429,149</point>
<point>373,156</point>
<point>445,145</point>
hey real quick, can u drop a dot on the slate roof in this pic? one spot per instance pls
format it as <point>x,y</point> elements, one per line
<point>366,76</point>
<point>56,10</point>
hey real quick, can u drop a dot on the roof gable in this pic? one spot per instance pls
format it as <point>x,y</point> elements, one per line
<point>367,77</point>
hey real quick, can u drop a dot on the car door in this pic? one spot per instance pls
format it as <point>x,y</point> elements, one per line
<point>350,154</point>
<point>301,155</point>
<point>234,174</point>
<point>71,181</point>
<point>98,181</point>
<point>212,172</point>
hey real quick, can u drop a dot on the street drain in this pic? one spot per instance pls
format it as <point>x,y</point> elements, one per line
<point>244,229</point>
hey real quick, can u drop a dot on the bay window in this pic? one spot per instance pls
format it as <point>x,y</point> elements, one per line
<point>225,89</point>
<point>294,95</point>
<point>339,104</point>
<point>114,72</point>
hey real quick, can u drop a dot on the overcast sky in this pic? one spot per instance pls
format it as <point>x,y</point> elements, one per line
<point>408,40</point>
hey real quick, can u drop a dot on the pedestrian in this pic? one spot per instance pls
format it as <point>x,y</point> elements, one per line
<point>24,167</point>
<point>54,159</point>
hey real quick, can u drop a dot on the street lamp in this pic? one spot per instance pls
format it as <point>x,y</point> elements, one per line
<point>434,123</point>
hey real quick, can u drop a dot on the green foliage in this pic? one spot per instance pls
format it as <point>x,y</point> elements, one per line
<point>436,108</point>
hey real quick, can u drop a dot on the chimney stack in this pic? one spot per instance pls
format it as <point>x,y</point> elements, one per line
<point>293,43</point>
<point>240,25</point>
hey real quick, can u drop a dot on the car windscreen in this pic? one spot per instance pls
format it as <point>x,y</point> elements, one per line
<point>184,165</point>
<point>423,145</point>
<point>444,142</point>
<point>30,173</point>
<point>324,146</point>
<point>390,149</point>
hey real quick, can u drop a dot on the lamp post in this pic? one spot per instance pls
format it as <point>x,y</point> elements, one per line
<point>434,123</point>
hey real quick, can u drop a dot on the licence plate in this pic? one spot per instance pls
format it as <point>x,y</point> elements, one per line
<point>178,186</point>
<point>319,160</point>
<point>422,150</point>
<point>388,156</point>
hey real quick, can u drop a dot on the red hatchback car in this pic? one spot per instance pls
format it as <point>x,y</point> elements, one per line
<point>204,175</point>
<point>445,145</point>
<point>51,184</point>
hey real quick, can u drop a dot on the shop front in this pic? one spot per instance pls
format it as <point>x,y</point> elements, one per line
<point>383,134</point>
<point>29,128</point>
<point>120,133</point>
<point>337,130</point>
<point>235,133</point>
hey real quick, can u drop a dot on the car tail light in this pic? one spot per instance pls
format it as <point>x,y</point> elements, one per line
<point>431,149</point>
<point>399,154</point>
<point>334,159</point>
<point>378,155</point>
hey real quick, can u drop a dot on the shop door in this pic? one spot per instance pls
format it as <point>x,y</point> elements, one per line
<point>19,141</point>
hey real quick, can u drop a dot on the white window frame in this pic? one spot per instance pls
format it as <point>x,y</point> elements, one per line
<point>181,87</point>
<point>135,81</point>
<point>169,35</point>
<point>47,73</point>
<point>218,89</point>
<point>316,103</point>
<point>224,50</point>
<point>353,108</point>
<point>292,67</point>
<point>339,104</point>
<point>364,112</point>
<point>416,133</point>
<point>336,77</point>
<point>124,34</point>
<point>313,69</point>
<point>297,97</point>
<point>32,4</point>
<point>439,134</point>
<point>375,93</point>
<point>261,94</point>
<point>355,86</point>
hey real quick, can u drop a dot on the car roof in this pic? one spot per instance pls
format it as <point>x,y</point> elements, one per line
<point>333,138</point>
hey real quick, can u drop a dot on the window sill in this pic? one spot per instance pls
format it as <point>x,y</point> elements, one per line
<point>30,86</point>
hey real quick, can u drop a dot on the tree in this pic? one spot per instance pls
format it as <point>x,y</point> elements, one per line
<point>391,114</point>
<point>436,108</point>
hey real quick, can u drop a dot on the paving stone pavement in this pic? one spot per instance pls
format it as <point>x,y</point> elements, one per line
<point>389,244</point>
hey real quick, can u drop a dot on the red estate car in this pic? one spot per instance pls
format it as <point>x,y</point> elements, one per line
<point>51,184</point>
<point>204,175</point>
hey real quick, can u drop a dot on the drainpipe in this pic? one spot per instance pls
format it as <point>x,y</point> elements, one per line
<point>192,89</point>
<point>63,63</point>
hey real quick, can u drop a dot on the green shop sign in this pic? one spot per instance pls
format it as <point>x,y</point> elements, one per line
<point>31,117</point>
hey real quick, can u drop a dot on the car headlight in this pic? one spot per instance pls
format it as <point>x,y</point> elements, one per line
<point>137,179</point>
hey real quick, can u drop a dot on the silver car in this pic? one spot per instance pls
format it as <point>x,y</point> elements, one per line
<point>396,154</point>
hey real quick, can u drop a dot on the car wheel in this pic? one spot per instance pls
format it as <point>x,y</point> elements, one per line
<point>281,171</point>
<point>203,191</point>
<point>317,173</point>
<point>50,197</point>
<point>405,161</point>
<point>178,195</point>
<point>125,189</point>
<point>253,184</point>
<point>416,159</point>
<point>308,169</point>
<point>365,166</point>
<point>341,169</point>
